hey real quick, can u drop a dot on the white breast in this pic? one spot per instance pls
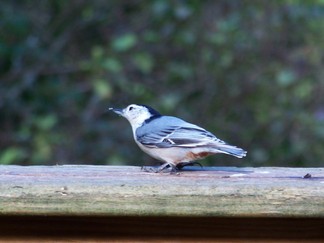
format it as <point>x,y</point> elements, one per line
<point>176,155</point>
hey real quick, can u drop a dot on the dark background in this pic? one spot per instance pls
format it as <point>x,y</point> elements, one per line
<point>251,72</point>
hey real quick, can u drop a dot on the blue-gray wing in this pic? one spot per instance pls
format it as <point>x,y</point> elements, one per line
<point>174,132</point>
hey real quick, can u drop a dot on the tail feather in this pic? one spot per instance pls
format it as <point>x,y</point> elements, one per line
<point>231,150</point>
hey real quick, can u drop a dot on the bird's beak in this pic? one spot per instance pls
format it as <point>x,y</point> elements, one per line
<point>117,111</point>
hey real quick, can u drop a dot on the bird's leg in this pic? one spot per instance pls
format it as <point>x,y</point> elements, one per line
<point>195,163</point>
<point>174,169</point>
<point>183,164</point>
<point>161,168</point>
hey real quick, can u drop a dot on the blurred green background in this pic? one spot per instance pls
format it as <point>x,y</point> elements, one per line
<point>251,72</point>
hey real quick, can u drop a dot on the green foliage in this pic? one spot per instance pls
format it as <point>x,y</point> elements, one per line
<point>124,42</point>
<point>249,71</point>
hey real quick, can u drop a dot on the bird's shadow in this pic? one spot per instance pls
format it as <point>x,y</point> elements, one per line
<point>193,169</point>
<point>216,169</point>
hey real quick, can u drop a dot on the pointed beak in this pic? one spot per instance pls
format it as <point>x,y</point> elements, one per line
<point>117,111</point>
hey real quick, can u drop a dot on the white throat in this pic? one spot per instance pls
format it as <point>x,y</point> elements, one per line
<point>138,121</point>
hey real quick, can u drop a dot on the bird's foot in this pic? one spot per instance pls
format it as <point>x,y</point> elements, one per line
<point>166,167</point>
<point>179,166</point>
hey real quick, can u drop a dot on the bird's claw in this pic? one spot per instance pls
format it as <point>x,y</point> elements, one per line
<point>183,164</point>
<point>166,167</point>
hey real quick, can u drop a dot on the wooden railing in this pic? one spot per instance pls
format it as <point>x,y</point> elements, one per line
<point>197,203</point>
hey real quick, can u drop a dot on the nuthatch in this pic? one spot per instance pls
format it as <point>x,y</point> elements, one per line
<point>172,140</point>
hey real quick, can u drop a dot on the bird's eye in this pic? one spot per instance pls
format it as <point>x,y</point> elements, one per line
<point>130,108</point>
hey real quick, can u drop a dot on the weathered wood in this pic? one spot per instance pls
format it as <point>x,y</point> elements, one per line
<point>126,190</point>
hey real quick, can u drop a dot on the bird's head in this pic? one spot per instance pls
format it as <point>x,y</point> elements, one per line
<point>137,114</point>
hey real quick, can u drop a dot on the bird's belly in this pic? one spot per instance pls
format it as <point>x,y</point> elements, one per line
<point>176,155</point>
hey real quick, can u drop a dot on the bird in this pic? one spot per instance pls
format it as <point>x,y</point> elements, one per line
<point>173,141</point>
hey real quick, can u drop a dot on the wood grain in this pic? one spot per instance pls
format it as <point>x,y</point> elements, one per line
<point>127,191</point>
<point>122,203</point>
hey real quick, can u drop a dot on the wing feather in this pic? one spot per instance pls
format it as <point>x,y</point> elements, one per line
<point>188,135</point>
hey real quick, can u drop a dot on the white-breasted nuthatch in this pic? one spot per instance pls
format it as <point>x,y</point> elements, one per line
<point>172,140</point>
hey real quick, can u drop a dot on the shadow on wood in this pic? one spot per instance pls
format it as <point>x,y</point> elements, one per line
<point>157,228</point>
